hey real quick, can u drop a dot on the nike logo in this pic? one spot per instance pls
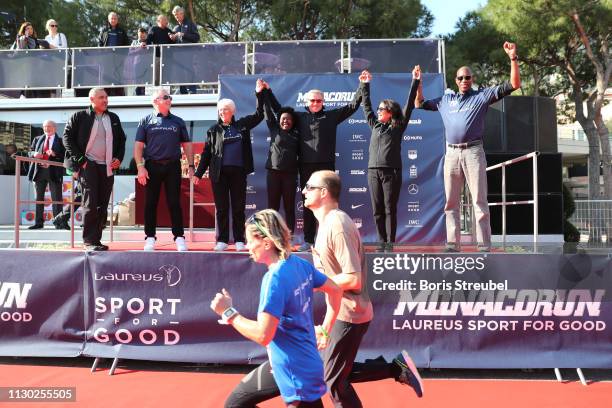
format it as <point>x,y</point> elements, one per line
<point>353,206</point>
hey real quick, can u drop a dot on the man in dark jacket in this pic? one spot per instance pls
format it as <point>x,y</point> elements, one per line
<point>317,128</point>
<point>47,147</point>
<point>95,144</point>
<point>185,32</point>
<point>113,35</point>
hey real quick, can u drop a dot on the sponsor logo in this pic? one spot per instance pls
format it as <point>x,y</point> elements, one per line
<point>410,137</point>
<point>354,206</point>
<point>414,122</point>
<point>300,206</point>
<point>358,138</point>
<point>327,97</point>
<point>358,190</point>
<point>412,154</point>
<point>337,154</point>
<point>250,207</point>
<point>358,222</point>
<point>14,295</point>
<point>413,188</point>
<point>357,154</point>
<point>413,206</point>
<point>412,171</point>
<point>352,121</point>
<point>251,190</point>
<point>173,274</point>
<point>357,172</point>
<point>413,223</point>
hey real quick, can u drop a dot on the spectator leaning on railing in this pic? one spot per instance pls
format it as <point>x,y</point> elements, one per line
<point>113,35</point>
<point>185,32</point>
<point>26,38</point>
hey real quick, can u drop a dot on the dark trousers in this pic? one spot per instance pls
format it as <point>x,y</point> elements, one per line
<point>168,174</point>
<point>310,222</point>
<point>259,386</point>
<point>385,185</point>
<point>282,184</point>
<point>230,188</point>
<point>96,188</point>
<point>55,188</point>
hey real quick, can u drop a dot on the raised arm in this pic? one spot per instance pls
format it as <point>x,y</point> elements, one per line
<point>346,111</point>
<point>366,103</point>
<point>515,75</point>
<point>250,121</point>
<point>414,86</point>
<point>271,119</point>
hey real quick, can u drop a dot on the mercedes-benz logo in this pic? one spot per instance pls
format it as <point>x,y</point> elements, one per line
<point>413,188</point>
<point>300,206</point>
<point>173,274</point>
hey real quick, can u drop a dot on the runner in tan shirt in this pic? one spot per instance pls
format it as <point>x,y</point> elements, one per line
<point>338,252</point>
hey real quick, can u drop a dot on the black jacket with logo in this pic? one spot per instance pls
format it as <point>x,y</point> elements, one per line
<point>76,136</point>
<point>212,155</point>
<point>103,38</point>
<point>386,140</point>
<point>318,130</point>
<point>189,30</point>
<point>284,145</point>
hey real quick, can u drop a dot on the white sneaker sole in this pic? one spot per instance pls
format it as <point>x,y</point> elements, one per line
<point>413,369</point>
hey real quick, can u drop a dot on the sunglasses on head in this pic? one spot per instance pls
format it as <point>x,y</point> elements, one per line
<point>256,222</point>
<point>466,77</point>
<point>316,100</point>
<point>310,187</point>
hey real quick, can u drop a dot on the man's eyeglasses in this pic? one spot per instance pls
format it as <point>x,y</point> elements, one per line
<point>310,187</point>
<point>316,100</point>
<point>466,77</point>
<point>381,109</point>
<point>52,25</point>
<point>165,97</point>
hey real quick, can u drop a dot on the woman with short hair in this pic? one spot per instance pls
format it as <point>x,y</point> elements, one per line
<point>385,156</point>
<point>284,322</point>
<point>228,155</point>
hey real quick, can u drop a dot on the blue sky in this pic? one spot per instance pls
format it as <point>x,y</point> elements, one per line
<point>448,12</point>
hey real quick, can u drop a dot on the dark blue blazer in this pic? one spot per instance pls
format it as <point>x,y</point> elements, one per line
<point>56,173</point>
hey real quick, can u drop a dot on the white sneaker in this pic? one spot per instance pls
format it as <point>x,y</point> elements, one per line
<point>181,246</point>
<point>240,247</point>
<point>149,244</point>
<point>221,246</point>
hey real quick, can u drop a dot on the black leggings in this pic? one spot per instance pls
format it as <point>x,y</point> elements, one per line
<point>258,386</point>
<point>283,184</point>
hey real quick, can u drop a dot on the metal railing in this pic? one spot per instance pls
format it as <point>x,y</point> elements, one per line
<point>593,219</point>
<point>72,203</point>
<point>503,203</point>
<point>201,63</point>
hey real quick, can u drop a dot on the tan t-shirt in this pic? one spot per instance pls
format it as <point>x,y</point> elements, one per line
<point>338,249</point>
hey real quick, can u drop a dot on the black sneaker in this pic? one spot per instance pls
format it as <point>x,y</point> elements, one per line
<point>95,247</point>
<point>36,226</point>
<point>389,247</point>
<point>450,250</point>
<point>409,375</point>
<point>381,247</point>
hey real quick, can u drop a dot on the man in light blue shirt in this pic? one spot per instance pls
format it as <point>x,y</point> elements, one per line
<point>463,114</point>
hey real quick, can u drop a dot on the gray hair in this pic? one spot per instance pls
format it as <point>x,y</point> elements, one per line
<point>113,13</point>
<point>226,102</point>
<point>176,9</point>
<point>316,91</point>
<point>49,121</point>
<point>94,91</point>
<point>157,92</point>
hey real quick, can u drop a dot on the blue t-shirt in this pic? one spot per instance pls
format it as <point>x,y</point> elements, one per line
<point>464,114</point>
<point>286,293</point>
<point>232,146</point>
<point>162,136</point>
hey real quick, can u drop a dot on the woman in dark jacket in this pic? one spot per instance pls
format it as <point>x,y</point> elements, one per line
<point>282,163</point>
<point>385,160</point>
<point>228,155</point>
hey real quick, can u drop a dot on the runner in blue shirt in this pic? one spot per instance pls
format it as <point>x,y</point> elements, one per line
<point>284,321</point>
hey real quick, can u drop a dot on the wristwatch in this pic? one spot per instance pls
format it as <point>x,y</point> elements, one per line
<point>228,314</point>
<point>515,58</point>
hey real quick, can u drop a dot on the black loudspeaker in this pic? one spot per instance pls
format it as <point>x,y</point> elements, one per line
<point>519,218</point>
<point>519,176</point>
<point>521,124</point>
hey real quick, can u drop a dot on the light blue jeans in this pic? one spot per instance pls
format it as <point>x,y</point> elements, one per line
<point>467,164</point>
